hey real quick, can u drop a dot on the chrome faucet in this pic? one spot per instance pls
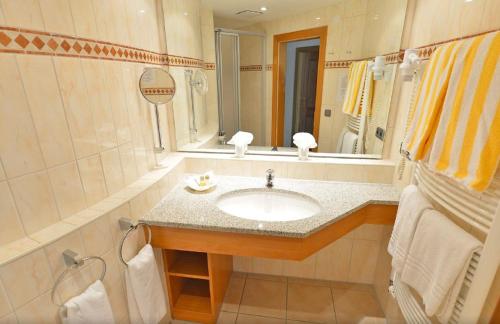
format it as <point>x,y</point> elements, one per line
<point>269,178</point>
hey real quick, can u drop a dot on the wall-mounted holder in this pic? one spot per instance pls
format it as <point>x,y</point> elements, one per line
<point>378,68</point>
<point>126,224</point>
<point>410,64</point>
<point>73,260</point>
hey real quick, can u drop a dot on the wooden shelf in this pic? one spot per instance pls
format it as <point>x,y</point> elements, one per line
<point>197,283</point>
<point>190,265</point>
<point>194,296</point>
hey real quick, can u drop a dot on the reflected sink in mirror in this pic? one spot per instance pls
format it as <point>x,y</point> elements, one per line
<point>270,205</point>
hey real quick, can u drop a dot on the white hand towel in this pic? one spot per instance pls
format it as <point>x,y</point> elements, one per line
<point>411,205</point>
<point>91,307</point>
<point>437,262</point>
<point>340,141</point>
<point>146,299</point>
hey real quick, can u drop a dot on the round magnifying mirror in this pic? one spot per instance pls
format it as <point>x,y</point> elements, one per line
<point>157,86</point>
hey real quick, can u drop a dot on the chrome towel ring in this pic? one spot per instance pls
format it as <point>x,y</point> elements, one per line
<point>127,224</point>
<point>73,261</point>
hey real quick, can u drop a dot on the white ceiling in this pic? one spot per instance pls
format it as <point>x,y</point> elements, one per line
<point>227,9</point>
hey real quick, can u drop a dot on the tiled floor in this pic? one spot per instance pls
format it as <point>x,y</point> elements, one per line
<point>254,299</point>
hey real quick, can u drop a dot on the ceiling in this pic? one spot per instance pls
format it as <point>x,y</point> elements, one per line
<point>227,9</point>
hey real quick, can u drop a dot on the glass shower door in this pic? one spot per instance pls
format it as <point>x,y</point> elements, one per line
<point>228,82</point>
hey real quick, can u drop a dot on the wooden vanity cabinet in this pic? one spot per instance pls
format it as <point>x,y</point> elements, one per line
<point>199,263</point>
<point>197,283</point>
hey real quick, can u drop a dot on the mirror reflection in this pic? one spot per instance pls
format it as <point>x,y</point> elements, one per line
<point>157,86</point>
<point>323,67</point>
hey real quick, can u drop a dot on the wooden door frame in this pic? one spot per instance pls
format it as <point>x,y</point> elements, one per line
<point>279,68</point>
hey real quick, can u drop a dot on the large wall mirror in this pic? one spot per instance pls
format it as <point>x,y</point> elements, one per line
<point>324,67</point>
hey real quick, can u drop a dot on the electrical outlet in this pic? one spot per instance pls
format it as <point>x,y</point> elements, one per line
<point>380,133</point>
<point>328,112</point>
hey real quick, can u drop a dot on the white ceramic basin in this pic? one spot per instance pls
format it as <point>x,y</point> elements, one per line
<point>268,205</point>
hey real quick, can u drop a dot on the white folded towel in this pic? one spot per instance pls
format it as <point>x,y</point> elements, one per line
<point>437,262</point>
<point>304,140</point>
<point>411,205</point>
<point>145,296</point>
<point>91,307</point>
<point>241,138</point>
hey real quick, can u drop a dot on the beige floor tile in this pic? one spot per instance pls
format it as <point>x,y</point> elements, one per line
<point>249,319</point>
<point>264,298</point>
<point>262,276</point>
<point>297,322</point>
<point>312,282</point>
<point>353,306</point>
<point>233,294</point>
<point>352,286</point>
<point>227,318</point>
<point>310,302</point>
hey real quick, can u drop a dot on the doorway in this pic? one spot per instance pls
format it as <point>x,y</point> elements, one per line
<point>300,88</point>
<point>298,64</point>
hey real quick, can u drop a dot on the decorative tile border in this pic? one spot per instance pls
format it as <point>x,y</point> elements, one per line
<point>426,51</point>
<point>391,58</point>
<point>158,91</point>
<point>251,67</point>
<point>16,40</point>
<point>337,64</point>
<point>23,41</point>
<point>209,66</point>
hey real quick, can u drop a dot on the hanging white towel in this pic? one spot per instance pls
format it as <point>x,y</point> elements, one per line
<point>411,206</point>
<point>349,143</point>
<point>145,296</point>
<point>437,262</point>
<point>91,307</point>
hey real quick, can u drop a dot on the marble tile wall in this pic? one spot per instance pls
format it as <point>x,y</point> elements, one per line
<point>73,130</point>
<point>26,281</point>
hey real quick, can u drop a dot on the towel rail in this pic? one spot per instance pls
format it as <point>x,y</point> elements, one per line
<point>478,210</point>
<point>127,224</point>
<point>353,123</point>
<point>73,261</point>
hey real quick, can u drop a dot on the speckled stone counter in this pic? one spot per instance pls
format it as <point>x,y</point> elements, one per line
<point>184,208</point>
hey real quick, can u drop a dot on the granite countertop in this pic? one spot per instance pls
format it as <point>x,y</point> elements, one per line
<point>184,208</point>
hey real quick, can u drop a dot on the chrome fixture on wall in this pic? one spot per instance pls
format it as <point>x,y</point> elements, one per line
<point>158,87</point>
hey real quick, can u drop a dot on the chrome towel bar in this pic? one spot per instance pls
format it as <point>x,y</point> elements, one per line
<point>73,261</point>
<point>128,225</point>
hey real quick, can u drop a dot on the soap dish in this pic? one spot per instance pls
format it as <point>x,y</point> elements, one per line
<point>193,182</point>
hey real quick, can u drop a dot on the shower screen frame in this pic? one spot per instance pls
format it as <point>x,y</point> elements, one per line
<point>219,33</point>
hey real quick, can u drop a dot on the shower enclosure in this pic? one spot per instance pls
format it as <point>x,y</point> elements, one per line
<point>241,76</point>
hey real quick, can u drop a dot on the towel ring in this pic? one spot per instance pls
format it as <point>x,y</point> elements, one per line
<point>73,261</point>
<point>126,223</point>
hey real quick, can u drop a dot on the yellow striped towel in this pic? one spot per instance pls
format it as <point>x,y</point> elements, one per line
<point>467,141</point>
<point>429,101</point>
<point>355,87</point>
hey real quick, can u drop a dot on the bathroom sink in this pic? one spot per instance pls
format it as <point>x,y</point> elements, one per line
<point>272,205</point>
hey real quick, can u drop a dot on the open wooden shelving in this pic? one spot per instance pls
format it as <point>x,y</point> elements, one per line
<point>196,284</point>
<point>190,265</point>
